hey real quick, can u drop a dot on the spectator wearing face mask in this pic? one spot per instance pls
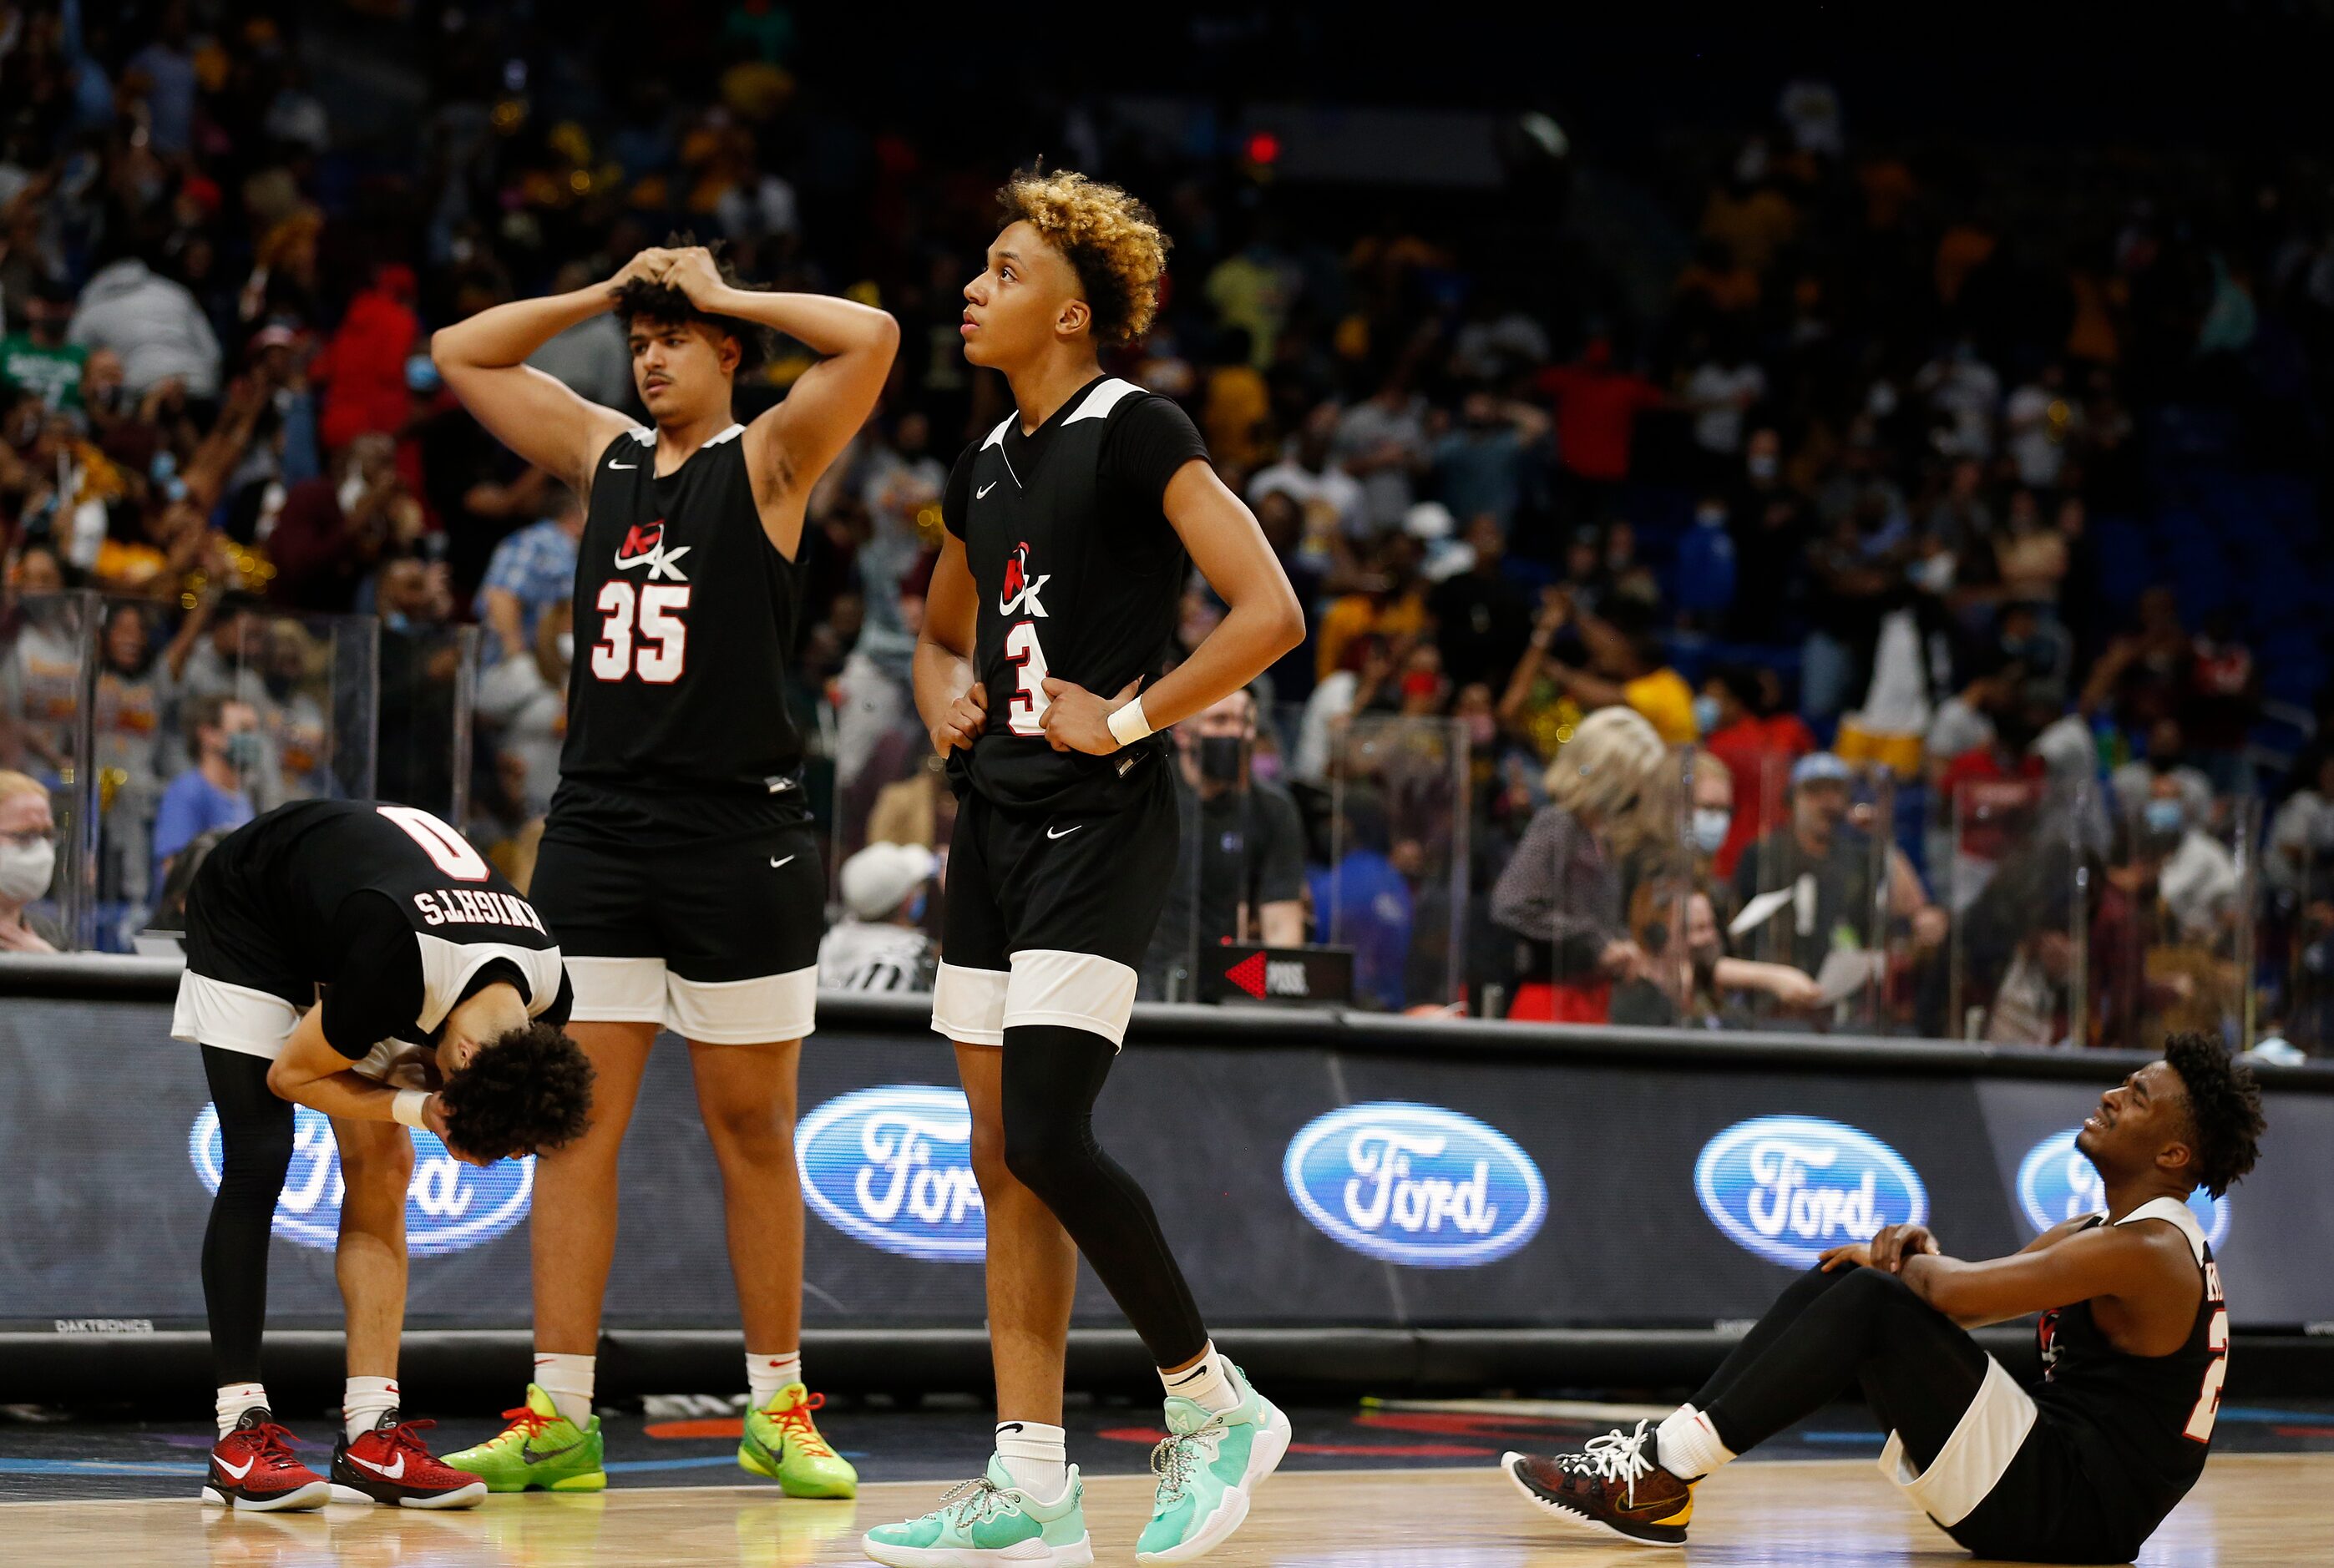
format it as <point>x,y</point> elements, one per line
<point>1757,746</point>
<point>212,792</point>
<point>1828,863</point>
<point>879,945</point>
<point>1242,875</point>
<point>28,862</point>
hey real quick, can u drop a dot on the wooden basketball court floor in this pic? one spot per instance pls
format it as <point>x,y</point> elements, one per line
<point>2254,1510</point>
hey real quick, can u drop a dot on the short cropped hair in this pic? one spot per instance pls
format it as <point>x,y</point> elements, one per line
<point>1110,238</point>
<point>2224,1109</point>
<point>527,1089</point>
<point>640,300</point>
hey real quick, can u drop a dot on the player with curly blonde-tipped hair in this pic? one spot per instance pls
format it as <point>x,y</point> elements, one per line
<point>1071,528</point>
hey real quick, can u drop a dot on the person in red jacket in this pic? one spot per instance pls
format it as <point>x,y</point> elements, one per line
<point>362,369</point>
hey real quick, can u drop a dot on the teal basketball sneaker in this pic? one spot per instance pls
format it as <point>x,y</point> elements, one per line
<point>989,1522</point>
<point>1207,1466</point>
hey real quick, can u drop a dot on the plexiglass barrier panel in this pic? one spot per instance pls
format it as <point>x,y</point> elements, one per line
<point>2026,890</point>
<point>48,665</point>
<point>1395,887</point>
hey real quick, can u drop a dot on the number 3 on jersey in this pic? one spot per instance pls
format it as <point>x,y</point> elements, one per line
<point>663,637</point>
<point>1029,701</point>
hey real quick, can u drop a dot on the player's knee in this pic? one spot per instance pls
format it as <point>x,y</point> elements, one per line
<point>366,1160</point>
<point>758,1129</point>
<point>1046,1156</point>
<point>989,1164</point>
<point>257,1150</point>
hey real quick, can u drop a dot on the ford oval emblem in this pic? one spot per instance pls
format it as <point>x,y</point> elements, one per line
<point>1415,1184</point>
<point>449,1207</point>
<point>2057,1182</point>
<point>893,1167</point>
<point>1789,1188</point>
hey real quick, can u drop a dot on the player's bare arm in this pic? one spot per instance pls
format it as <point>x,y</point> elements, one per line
<point>484,361</point>
<point>311,1072</point>
<point>1265,619</point>
<point>951,702</point>
<point>2147,1271</point>
<point>788,447</point>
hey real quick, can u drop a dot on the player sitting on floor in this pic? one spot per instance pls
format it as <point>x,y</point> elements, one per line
<point>415,938</point>
<point>2135,1339</point>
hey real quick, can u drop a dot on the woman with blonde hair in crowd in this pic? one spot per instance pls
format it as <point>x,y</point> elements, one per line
<point>28,861</point>
<point>1562,892</point>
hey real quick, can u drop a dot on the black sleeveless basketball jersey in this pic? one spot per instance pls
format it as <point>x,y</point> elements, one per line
<point>684,617</point>
<point>2142,1424</point>
<point>280,906</point>
<point>1071,585</point>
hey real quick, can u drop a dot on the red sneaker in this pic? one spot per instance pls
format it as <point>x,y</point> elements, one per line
<point>389,1466</point>
<point>252,1469</point>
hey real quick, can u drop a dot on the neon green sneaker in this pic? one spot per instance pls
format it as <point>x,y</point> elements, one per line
<point>781,1443</point>
<point>989,1522</point>
<point>541,1450</point>
<point>1207,1466</point>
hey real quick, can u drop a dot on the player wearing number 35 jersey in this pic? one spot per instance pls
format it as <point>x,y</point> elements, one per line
<point>679,868</point>
<point>2134,1331</point>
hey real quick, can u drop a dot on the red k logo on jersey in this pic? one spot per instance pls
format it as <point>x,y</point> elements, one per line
<point>1020,591</point>
<point>643,545</point>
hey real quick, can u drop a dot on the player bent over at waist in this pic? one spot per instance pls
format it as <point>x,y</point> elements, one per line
<point>2134,1340</point>
<point>415,939</point>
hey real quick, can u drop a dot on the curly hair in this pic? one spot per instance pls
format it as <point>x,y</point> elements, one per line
<point>640,300</point>
<point>2224,1109</point>
<point>527,1089</point>
<point>1111,240</point>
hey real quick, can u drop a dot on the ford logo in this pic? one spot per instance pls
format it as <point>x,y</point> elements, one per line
<point>1415,1184</point>
<point>449,1207</point>
<point>893,1167</point>
<point>1790,1187</point>
<point>2056,1183</point>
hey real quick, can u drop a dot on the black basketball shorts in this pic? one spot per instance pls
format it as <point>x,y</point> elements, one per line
<point>1049,912</point>
<point>716,940</point>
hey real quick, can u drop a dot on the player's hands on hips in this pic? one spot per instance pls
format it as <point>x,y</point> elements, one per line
<point>1077,721</point>
<point>433,1116</point>
<point>1896,1243</point>
<point>962,723</point>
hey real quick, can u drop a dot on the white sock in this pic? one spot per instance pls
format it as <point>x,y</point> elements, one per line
<point>1035,1456</point>
<point>1688,1445</point>
<point>1206,1382</point>
<point>233,1398</point>
<point>568,1380</point>
<point>766,1375</point>
<point>363,1402</point>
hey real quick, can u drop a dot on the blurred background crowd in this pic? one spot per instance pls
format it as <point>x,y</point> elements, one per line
<point>1768,565</point>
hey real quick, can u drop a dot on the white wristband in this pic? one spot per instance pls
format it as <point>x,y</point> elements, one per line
<point>1128,724</point>
<point>408,1106</point>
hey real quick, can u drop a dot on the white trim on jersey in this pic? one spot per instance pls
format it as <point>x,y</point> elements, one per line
<point>1098,403</point>
<point>996,436</point>
<point>647,436</point>
<point>231,1017</point>
<point>447,967</point>
<point>2177,1213</point>
<point>1075,990</point>
<point>642,434</point>
<point>1974,1459</point>
<point>968,1004</point>
<point>731,434</point>
<point>766,1010</point>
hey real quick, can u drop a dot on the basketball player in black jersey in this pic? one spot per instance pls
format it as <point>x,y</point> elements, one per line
<point>680,868</point>
<point>415,939</point>
<point>2135,1339</point>
<point>1071,529</point>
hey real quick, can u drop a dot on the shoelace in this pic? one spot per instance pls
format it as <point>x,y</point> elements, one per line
<point>524,1422</point>
<point>974,1501</point>
<point>407,1435</point>
<point>276,1446</point>
<point>1617,1456</point>
<point>1174,1456</point>
<point>794,1420</point>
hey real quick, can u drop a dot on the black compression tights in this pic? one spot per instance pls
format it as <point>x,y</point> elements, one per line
<point>1918,1368</point>
<point>1052,1075</point>
<point>255,1153</point>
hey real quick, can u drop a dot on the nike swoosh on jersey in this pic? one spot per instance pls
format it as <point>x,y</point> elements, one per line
<point>776,864</point>
<point>1066,833</point>
<point>231,1470</point>
<point>984,490</point>
<point>387,1472</point>
<point>613,464</point>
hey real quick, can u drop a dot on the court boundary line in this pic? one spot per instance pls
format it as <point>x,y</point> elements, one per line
<point>1130,1475</point>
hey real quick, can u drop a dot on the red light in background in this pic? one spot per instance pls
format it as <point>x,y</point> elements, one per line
<point>1264,147</point>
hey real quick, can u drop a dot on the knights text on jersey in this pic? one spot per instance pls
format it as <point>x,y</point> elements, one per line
<point>1079,574</point>
<point>684,617</point>
<point>387,907</point>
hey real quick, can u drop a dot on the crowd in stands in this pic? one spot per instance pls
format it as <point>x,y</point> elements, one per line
<point>1908,616</point>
